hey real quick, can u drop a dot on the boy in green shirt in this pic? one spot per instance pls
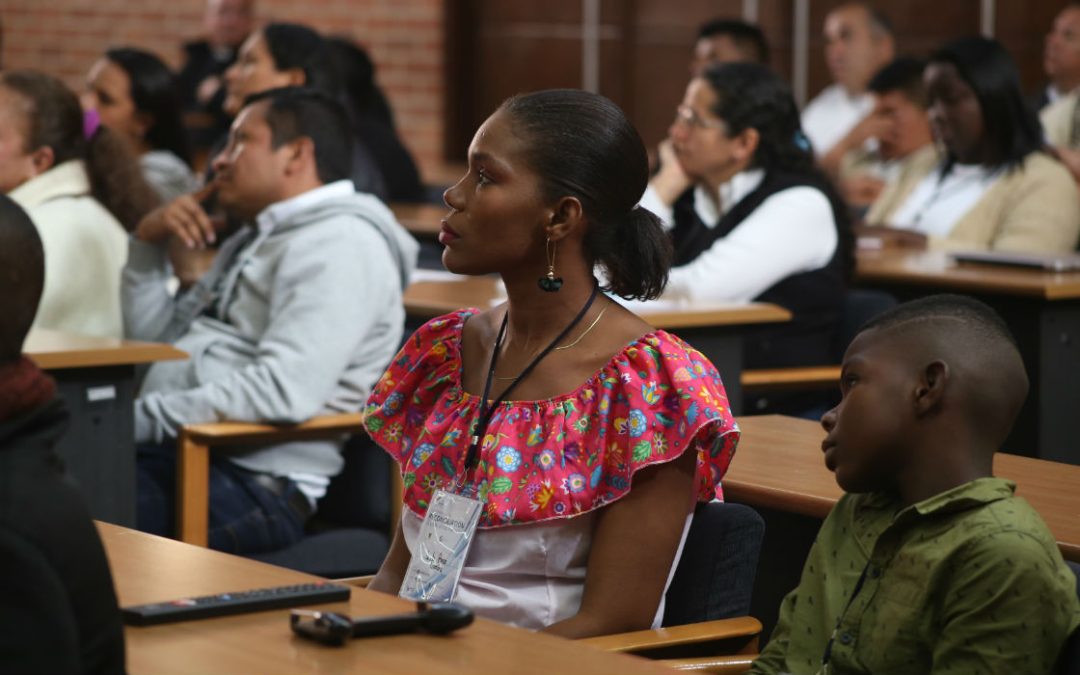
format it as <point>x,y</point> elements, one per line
<point>929,564</point>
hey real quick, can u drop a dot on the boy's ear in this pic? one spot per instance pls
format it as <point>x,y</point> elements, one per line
<point>566,216</point>
<point>930,388</point>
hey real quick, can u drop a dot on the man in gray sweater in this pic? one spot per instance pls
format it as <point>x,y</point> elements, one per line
<point>298,316</point>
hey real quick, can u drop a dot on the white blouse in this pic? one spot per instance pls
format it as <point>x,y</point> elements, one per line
<point>532,575</point>
<point>937,204</point>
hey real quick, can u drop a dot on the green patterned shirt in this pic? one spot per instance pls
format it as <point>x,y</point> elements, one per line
<point>969,581</point>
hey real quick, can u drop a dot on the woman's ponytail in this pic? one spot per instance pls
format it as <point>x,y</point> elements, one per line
<point>635,254</point>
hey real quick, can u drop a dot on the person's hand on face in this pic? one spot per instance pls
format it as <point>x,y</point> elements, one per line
<point>874,125</point>
<point>183,218</point>
<point>671,181</point>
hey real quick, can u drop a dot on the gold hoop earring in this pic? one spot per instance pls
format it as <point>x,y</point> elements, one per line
<point>550,283</point>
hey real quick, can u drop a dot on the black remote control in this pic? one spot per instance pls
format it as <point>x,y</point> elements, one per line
<point>222,604</point>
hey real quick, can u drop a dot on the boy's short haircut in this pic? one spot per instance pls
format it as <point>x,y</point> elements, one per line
<point>297,112</point>
<point>904,75</point>
<point>976,315</point>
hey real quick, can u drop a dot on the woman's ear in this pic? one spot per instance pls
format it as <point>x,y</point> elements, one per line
<point>42,159</point>
<point>143,123</point>
<point>745,144</point>
<point>566,218</point>
<point>295,77</point>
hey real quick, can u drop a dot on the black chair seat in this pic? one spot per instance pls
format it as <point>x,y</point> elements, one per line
<point>716,573</point>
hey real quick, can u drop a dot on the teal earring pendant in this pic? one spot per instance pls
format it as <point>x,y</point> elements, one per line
<point>550,283</point>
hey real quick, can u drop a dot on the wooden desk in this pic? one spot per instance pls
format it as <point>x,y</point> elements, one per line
<point>779,465</point>
<point>716,330</point>
<point>96,377</point>
<point>149,569</point>
<point>1043,311</point>
<point>421,220</point>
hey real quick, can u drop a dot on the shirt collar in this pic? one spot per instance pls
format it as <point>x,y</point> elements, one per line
<point>974,493</point>
<point>64,180</point>
<point>970,495</point>
<point>729,194</point>
<point>286,209</point>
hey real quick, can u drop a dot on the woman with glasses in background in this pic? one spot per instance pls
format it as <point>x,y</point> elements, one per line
<point>752,217</point>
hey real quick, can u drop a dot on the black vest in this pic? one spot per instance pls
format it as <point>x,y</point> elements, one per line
<point>815,299</point>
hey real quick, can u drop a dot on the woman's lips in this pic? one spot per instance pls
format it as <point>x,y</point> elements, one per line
<point>447,234</point>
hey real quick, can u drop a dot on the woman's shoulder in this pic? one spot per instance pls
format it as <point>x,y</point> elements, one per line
<point>437,335</point>
<point>1039,166</point>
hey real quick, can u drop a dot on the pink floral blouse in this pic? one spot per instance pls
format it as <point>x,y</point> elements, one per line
<point>559,457</point>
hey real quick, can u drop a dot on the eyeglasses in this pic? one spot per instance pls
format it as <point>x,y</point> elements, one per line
<point>690,118</point>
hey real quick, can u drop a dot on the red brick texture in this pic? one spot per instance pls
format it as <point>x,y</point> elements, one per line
<point>404,37</point>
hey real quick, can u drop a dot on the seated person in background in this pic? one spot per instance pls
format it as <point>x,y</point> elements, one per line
<point>81,194</point>
<point>605,431</point>
<point>995,188</point>
<point>1061,57</point>
<point>291,55</point>
<point>728,41</point>
<point>298,316</point>
<point>929,564</point>
<point>227,23</point>
<point>858,43</point>
<point>901,130</point>
<point>1061,128</point>
<point>373,121</point>
<point>58,611</point>
<point>134,94</point>
<point>752,217</point>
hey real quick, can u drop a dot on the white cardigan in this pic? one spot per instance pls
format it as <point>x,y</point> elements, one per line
<point>85,250</point>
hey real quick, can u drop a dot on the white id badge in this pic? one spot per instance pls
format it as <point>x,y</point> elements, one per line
<point>445,537</point>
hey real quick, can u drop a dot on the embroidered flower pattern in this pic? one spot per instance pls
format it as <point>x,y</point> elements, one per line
<point>556,458</point>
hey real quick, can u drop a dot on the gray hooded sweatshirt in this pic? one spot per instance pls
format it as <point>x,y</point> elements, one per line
<point>297,317</point>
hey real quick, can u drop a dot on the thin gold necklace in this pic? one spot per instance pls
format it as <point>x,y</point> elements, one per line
<point>579,338</point>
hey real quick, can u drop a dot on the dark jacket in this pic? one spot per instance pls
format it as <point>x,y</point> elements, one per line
<point>58,609</point>
<point>815,298</point>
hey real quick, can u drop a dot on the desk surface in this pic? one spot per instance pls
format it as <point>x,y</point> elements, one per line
<point>148,569</point>
<point>936,268</point>
<point>426,299</point>
<point>779,465</point>
<point>51,349</point>
<point>422,220</point>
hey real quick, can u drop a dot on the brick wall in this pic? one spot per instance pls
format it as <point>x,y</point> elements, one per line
<point>404,37</point>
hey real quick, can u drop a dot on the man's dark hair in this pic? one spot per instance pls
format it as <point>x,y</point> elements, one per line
<point>746,36</point>
<point>1010,125</point>
<point>904,75</point>
<point>301,112</point>
<point>976,315</point>
<point>22,277</point>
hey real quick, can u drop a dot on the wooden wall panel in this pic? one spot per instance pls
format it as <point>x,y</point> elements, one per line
<point>496,48</point>
<point>1022,28</point>
<point>916,34</point>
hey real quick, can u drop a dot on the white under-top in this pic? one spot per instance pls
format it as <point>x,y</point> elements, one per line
<point>937,204</point>
<point>531,575</point>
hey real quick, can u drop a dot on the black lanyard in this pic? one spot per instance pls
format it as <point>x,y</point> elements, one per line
<point>486,413</point>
